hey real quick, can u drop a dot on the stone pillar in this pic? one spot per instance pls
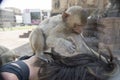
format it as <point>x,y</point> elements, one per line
<point>111,34</point>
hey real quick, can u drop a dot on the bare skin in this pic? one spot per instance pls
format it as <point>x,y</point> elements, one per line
<point>33,70</point>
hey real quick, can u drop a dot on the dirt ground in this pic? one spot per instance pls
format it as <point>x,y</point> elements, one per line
<point>11,40</point>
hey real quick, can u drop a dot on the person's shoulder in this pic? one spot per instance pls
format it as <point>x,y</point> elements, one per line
<point>8,76</point>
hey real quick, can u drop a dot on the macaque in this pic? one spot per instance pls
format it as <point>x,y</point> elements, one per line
<point>69,22</point>
<point>38,36</point>
<point>6,55</point>
<point>74,20</point>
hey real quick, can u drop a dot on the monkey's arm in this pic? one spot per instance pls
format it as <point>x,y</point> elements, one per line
<point>57,38</point>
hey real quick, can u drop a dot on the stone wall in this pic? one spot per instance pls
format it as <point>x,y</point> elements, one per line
<point>58,6</point>
<point>111,33</point>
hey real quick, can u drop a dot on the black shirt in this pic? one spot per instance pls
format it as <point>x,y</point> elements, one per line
<point>22,72</point>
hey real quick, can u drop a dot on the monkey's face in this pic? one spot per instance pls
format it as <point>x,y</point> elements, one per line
<point>76,24</point>
<point>77,28</point>
<point>73,22</point>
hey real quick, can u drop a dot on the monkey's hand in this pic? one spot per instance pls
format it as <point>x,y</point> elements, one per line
<point>66,45</point>
<point>46,57</point>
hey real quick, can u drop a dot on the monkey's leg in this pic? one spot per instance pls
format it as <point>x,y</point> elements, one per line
<point>38,44</point>
<point>37,40</point>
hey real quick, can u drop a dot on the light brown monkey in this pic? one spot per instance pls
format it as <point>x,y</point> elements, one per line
<point>38,36</point>
<point>7,55</point>
<point>57,34</point>
<point>74,20</point>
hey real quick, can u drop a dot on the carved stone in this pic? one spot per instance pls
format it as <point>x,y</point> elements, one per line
<point>111,36</point>
<point>113,9</point>
<point>60,5</point>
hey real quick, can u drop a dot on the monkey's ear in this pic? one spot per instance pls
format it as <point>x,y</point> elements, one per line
<point>65,15</point>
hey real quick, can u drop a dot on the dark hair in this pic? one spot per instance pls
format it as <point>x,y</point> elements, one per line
<point>79,67</point>
<point>25,57</point>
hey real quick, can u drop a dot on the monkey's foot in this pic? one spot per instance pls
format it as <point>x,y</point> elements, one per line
<point>46,57</point>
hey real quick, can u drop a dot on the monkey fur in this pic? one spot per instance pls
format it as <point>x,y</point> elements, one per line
<point>56,31</point>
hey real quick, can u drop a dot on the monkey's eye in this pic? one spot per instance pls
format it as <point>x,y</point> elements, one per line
<point>78,25</point>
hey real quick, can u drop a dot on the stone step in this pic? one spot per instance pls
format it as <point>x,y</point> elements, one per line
<point>25,35</point>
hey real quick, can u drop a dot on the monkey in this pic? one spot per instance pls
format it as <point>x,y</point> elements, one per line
<point>74,19</point>
<point>7,55</point>
<point>38,36</point>
<point>69,22</point>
